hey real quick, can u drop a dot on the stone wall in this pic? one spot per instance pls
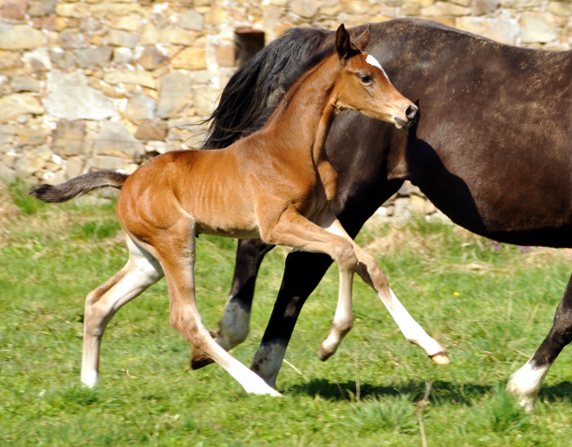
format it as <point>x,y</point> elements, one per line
<point>107,84</point>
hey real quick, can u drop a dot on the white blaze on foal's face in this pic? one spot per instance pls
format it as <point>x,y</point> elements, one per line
<point>375,63</point>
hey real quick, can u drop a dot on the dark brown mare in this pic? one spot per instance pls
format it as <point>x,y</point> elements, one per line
<point>492,150</point>
<point>276,184</point>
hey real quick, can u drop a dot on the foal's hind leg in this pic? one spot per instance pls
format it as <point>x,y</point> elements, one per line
<point>526,382</point>
<point>176,251</point>
<point>234,326</point>
<point>369,270</point>
<point>141,271</point>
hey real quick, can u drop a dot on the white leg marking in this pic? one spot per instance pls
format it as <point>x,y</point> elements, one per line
<point>141,271</point>
<point>89,379</point>
<point>251,383</point>
<point>525,384</point>
<point>234,326</point>
<point>267,362</point>
<point>412,330</point>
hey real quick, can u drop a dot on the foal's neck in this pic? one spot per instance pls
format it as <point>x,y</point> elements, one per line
<point>305,113</point>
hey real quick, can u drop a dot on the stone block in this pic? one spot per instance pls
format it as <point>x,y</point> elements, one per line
<point>72,10</point>
<point>69,138</point>
<point>191,20</point>
<point>443,9</point>
<point>20,37</point>
<point>520,4</point>
<point>32,136</point>
<point>152,58</point>
<point>13,106</point>
<point>563,9</point>
<point>9,59</point>
<point>123,56</point>
<point>177,37</point>
<point>130,77</point>
<point>7,174</point>
<point>139,108</point>
<point>70,97</point>
<point>115,140</point>
<point>304,8</point>
<point>63,59</point>
<point>190,59</point>
<point>481,7</point>
<point>156,130</point>
<point>538,27</point>
<point>41,8</point>
<point>150,35</point>
<point>225,55</point>
<point>205,100</point>
<point>217,14</point>
<point>175,94</point>
<point>31,161</point>
<point>502,30</point>
<point>14,9</point>
<point>126,23</point>
<point>112,10</point>
<point>120,38</point>
<point>106,162</point>
<point>74,167</point>
<point>94,57</point>
<point>72,39</point>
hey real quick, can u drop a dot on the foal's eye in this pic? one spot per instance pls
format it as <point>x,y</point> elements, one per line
<point>366,79</point>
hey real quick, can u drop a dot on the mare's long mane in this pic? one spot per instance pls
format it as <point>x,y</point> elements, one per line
<point>255,90</point>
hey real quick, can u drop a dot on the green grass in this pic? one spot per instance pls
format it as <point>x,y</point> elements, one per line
<point>490,305</point>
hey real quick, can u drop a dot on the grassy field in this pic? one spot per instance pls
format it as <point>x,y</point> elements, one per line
<point>489,304</point>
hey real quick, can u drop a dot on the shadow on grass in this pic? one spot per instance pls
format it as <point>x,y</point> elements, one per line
<point>442,391</point>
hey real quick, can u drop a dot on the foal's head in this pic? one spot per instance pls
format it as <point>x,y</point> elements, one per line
<point>364,85</point>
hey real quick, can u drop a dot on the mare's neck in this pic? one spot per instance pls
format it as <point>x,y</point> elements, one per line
<point>303,118</point>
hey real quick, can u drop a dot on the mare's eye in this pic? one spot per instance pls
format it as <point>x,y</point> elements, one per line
<point>366,79</point>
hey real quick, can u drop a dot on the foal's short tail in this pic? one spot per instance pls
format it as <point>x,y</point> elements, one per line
<point>79,185</point>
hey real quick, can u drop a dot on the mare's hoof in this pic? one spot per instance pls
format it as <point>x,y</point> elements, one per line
<point>441,358</point>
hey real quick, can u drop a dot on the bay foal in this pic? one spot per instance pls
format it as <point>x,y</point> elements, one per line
<point>276,184</point>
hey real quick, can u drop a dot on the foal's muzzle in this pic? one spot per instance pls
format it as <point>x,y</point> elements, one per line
<point>410,117</point>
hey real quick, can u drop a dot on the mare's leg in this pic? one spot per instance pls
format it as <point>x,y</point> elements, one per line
<point>234,326</point>
<point>296,231</point>
<point>141,271</point>
<point>303,273</point>
<point>526,382</point>
<point>175,248</point>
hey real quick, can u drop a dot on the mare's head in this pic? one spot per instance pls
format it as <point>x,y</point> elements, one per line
<point>364,85</point>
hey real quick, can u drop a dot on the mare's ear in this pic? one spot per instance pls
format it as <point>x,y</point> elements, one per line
<point>343,43</point>
<point>362,41</point>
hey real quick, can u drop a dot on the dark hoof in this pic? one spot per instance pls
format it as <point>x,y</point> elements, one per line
<point>200,358</point>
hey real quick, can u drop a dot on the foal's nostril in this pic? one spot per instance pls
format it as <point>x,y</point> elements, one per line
<point>411,112</point>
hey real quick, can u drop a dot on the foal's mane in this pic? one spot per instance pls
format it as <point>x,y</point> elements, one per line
<point>255,90</point>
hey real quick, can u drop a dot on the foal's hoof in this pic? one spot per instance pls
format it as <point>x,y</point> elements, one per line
<point>324,354</point>
<point>200,358</point>
<point>441,358</point>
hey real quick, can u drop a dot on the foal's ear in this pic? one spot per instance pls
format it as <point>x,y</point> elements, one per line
<point>363,39</point>
<point>343,43</point>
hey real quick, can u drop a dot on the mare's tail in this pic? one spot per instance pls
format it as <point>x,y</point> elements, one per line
<point>258,86</point>
<point>79,185</point>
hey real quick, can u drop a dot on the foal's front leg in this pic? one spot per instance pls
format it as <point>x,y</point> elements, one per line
<point>368,269</point>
